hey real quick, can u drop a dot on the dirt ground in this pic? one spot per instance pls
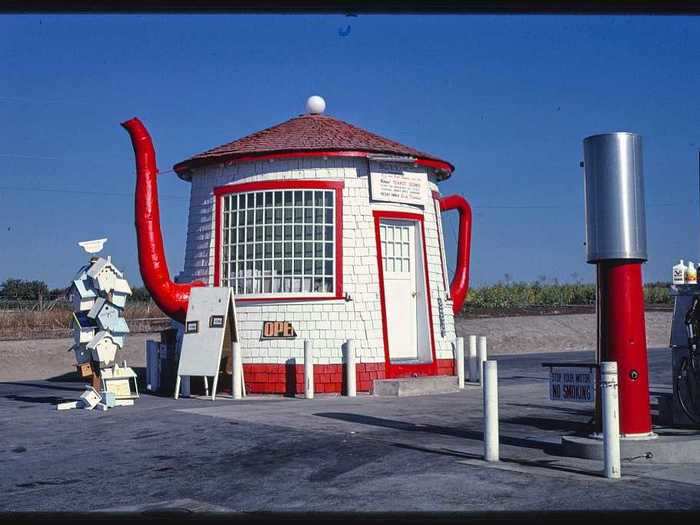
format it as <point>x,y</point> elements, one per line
<point>553,333</point>
<point>47,358</point>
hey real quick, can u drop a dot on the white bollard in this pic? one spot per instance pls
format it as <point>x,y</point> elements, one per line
<point>459,361</point>
<point>308,370</point>
<point>611,422</point>
<point>490,395</point>
<point>482,357</point>
<point>472,360</point>
<point>237,372</point>
<point>350,368</point>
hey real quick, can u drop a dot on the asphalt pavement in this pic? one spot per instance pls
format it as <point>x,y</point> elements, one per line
<point>271,453</point>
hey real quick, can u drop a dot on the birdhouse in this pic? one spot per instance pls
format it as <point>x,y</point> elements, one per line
<point>81,294</point>
<point>82,354</point>
<point>84,327</point>
<point>324,231</point>
<point>118,381</point>
<point>120,292</point>
<point>105,313</point>
<point>104,274</point>
<point>103,348</point>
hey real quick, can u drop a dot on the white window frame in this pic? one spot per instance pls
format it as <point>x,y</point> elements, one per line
<point>259,260</point>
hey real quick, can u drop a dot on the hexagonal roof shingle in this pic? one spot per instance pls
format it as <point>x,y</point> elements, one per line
<point>308,133</point>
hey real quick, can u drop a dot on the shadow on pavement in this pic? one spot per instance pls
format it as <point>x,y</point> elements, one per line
<point>537,463</point>
<point>49,387</point>
<point>434,429</point>
<point>568,410</point>
<point>53,400</point>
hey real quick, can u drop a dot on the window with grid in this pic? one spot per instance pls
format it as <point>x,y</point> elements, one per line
<point>395,248</point>
<point>279,242</point>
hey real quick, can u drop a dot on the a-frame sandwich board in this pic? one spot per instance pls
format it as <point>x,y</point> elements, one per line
<point>210,327</point>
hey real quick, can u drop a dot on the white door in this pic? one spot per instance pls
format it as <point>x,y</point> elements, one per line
<point>398,245</point>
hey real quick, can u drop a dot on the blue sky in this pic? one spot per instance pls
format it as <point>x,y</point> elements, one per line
<point>506,99</point>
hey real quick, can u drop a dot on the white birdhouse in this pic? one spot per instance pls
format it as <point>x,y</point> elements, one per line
<point>103,348</point>
<point>84,327</point>
<point>120,292</point>
<point>106,314</point>
<point>82,295</point>
<point>90,398</point>
<point>118,379</point>
<point>104,274</point>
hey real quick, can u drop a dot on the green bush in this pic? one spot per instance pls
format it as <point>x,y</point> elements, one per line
<point>519,294</point>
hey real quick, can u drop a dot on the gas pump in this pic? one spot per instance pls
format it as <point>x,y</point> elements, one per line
<point>616,244</point>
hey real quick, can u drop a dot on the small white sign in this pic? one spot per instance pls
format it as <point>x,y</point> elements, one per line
<point>405,187</point>
<point>571,384</point>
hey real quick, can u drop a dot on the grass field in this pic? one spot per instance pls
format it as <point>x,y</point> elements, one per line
<point>34,319</point>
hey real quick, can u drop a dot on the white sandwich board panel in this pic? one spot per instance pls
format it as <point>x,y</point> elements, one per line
<point>210,329</point>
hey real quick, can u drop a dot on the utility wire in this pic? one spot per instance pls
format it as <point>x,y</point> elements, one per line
<point>80,192</point>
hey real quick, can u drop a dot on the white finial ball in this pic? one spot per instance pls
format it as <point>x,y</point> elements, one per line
<point>315,105</point>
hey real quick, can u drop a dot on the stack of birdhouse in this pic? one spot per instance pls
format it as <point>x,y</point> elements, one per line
<point>98,294</point>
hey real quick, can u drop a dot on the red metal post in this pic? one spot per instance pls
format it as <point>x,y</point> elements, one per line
<point>622,338</point>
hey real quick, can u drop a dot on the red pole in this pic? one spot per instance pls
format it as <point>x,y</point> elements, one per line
<point>622,336</point>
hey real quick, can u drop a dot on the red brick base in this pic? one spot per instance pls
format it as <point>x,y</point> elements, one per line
<point>272,378</point>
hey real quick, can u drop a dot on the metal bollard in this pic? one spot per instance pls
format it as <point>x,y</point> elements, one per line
<point>237,372</point>
<point>308,370</point>
<point>490,395</point>
<point>472,360</point>
<point>459,361</point>
<point>611,422</point>
<point>350,368</point>
<point>482,357</point>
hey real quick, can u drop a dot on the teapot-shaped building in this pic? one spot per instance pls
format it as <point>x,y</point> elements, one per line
<point>325,232</point>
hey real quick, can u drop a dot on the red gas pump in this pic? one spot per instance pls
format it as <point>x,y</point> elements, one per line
<point>616,243</point>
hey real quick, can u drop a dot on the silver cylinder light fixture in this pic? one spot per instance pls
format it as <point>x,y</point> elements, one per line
<point>614,192</point>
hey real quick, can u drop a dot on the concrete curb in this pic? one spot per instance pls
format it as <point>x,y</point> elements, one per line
<point>415,386</point>
<point>671,446</point>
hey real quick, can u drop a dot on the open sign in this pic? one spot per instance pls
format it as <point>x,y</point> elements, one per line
<point>277,329</point>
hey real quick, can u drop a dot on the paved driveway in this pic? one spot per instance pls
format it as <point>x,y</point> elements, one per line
<point>327,454</point>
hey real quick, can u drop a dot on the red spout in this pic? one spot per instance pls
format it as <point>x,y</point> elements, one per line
<point>459,287</point>
<point>171,298</point>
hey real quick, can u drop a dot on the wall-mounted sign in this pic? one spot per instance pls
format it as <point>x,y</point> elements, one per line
<point>571,384</point>
<point>216,321</point>
<point>405,187</point>
<point>277,329</point>
<point>191,327</point>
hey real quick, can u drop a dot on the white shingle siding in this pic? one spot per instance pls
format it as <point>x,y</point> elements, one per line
<point>327,323</point>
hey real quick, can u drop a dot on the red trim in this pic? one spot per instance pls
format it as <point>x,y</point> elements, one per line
<point>436,199</point>
<point>404,370</point>
<point>291,299</point>
<point>182,167</point>
<point>459,287</point>
<point>337,186</point>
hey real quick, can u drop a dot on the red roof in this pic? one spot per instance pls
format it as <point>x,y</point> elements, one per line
<point>308,133</point>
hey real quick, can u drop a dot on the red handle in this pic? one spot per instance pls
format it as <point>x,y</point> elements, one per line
<point>459,287</point>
